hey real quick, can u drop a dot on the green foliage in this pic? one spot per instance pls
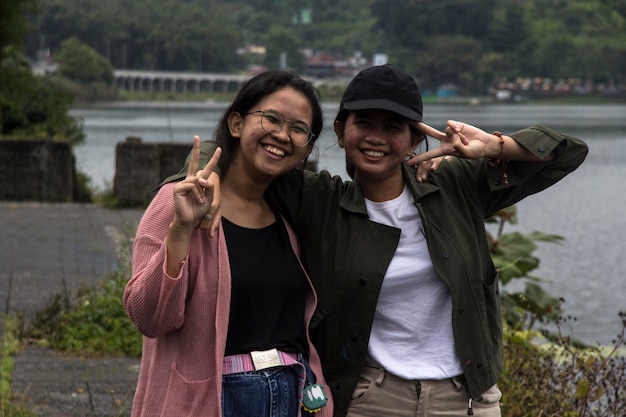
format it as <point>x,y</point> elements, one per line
<point>152,34</point>
<point>8,346</point>
<point>83,189</point>
<point>85,92</point>
<point>528,384</point>
<point>94,320</point>
<point>461,54</point>
<point>555,377</point>
<point>280,41</point>
<point>31,107</point>
<point>344,27</point>
<point>10,406</point>
<point>13,25</point>
<point>468,42</point>
<point>512,255</point>
<point>94,323</point>
<point>82,63</point>
<point>562,33</point>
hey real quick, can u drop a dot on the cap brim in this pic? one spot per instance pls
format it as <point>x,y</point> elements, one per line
<point>383,104</point>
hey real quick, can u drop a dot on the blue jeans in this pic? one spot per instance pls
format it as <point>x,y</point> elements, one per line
<point>271,392</point>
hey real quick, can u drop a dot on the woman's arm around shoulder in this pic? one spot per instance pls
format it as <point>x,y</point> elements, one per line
<point>301,195</point>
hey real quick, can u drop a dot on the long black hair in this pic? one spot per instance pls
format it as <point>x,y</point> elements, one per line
<point>252,92</point>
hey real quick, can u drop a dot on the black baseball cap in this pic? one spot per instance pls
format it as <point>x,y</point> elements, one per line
<point>384,87</point>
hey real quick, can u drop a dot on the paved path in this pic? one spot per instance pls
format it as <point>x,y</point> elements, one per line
<point>47,249</point>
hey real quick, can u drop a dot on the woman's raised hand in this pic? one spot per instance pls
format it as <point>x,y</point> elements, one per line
<point>459,139</point>
<point>196,198</point>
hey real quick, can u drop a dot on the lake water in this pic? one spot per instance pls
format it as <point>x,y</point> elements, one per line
<point>587,208</point>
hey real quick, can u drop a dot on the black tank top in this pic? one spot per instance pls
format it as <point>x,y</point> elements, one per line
<point>268,290</point>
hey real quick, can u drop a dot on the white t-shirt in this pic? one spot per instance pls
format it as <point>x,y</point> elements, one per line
<point>411,334</point>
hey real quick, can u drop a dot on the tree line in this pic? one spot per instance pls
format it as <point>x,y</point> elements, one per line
<point>469,43</point>
<point>465,42</point>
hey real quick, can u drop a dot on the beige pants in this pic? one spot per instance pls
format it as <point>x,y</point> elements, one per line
<point>381,394</point>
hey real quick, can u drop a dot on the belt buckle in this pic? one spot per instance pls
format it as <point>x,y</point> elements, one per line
<point>263,359</point>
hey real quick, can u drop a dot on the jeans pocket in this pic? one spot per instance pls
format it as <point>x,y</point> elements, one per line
<point>489,398</point>
<point>365,384</point>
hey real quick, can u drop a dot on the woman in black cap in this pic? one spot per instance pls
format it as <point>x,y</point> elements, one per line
<point>408,321</point>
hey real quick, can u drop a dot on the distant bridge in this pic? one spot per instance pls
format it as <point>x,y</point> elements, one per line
<point>178,82</point>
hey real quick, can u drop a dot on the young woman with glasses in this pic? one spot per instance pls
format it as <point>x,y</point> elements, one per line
<point>225,308</point>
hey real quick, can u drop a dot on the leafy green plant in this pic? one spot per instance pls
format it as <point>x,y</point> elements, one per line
<point>95,324</point>
<point>92,321</point>
<point>513,257</point>
<point>553,376</point>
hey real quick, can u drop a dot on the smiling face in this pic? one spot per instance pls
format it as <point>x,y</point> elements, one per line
<point>376,142</point>
<point>262,155</point>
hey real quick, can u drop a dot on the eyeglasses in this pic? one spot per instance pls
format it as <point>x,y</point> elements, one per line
<point>273,122</point>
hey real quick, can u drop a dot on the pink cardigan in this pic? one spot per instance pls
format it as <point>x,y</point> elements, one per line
<point>184,319</point>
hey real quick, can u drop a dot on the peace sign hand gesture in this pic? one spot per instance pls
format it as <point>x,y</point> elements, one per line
<point>196,199</point>
<point>460,139</point>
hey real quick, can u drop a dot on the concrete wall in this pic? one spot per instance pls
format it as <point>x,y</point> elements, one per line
<point>139,167</point>
<point>43,170</point>
<point>36,170</point>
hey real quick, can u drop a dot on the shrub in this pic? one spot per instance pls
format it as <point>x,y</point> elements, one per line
<point>548,376</point>
<point>94,320</point>
<point>81,62</point>
<point>31,107</point>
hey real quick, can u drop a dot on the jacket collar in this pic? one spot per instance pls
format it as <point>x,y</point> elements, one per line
<point>354,201</point>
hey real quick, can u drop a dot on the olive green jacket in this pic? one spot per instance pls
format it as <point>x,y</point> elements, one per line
<point>347,255</point>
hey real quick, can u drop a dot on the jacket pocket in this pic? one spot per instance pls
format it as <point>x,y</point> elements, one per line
<point>188,398</point>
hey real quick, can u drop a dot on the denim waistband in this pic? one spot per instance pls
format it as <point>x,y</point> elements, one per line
<point>243,363</point>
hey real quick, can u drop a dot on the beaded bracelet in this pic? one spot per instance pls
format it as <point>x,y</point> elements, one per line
<point>502,160</point>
